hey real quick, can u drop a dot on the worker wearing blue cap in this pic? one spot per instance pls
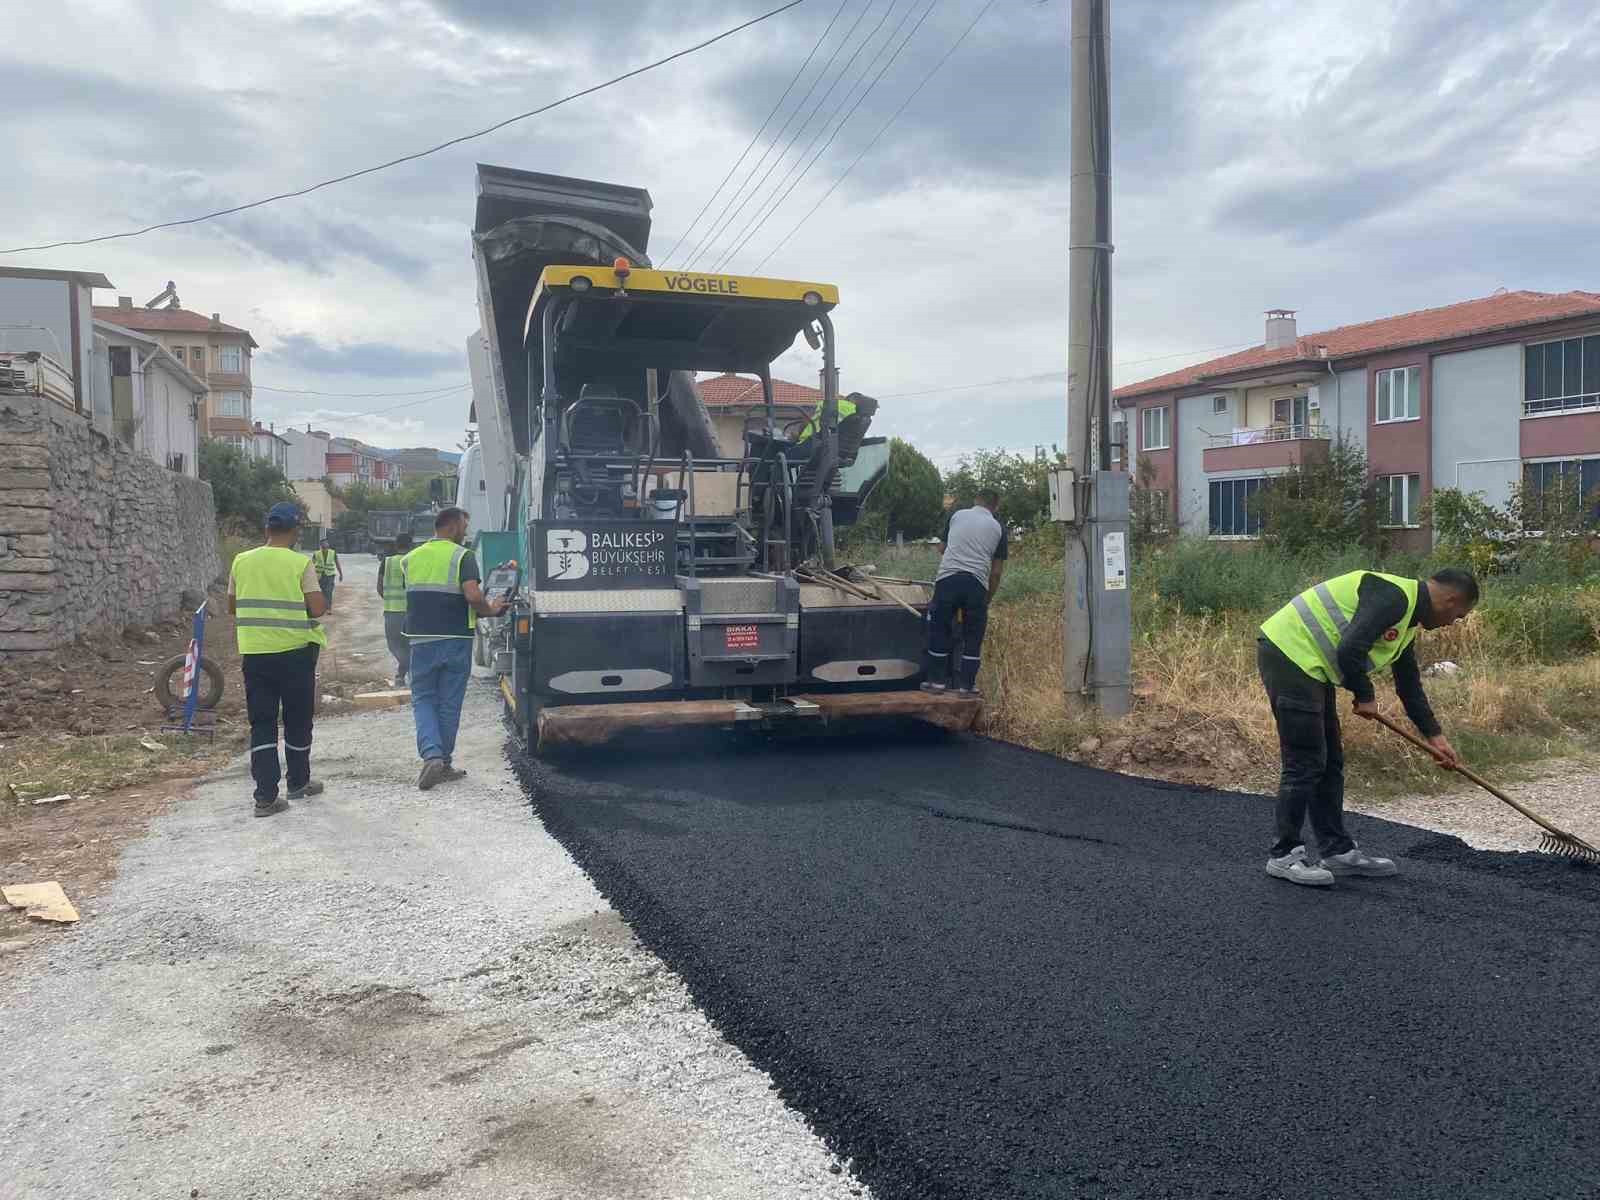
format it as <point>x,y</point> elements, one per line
<point>275,598</point>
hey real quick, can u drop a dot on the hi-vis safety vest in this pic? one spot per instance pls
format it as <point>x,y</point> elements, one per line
<point>1308,628</point>
<point>394,583</point>
<point>435,604</point>
<point>325,562</point>
<point>813,426</point>
<point>271,616</point>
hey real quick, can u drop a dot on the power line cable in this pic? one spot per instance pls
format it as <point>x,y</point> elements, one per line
<point>934,70</point>
<point>455,141</point>
<point>1047,376</point>
<point>791,180</point>
<point>682,237</point>
<point>705,238</point>
<point>805,124</point>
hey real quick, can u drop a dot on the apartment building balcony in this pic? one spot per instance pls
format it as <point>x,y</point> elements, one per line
<point>1272,446</point>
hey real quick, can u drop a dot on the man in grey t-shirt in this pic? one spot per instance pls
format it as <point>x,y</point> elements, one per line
<point>969,575</point>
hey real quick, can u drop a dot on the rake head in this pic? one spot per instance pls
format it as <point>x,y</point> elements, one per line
<point>1569,846</point>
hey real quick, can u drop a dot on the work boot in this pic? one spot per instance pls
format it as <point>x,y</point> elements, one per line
<point>1356,862</point>
<point>970,693</point>
<point>311,787</point>
<point>433,772</point>
<point>1293,867</point>
<point>268,808</point>
<point>452,773</point>
<point>936,688</point>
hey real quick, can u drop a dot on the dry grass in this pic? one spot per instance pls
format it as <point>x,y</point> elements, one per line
<point>32,768</point>
<point>1201,716</point>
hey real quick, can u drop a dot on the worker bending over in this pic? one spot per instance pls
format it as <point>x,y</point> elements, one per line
<point>444,598</point>
<point>1337,634</point>
<point>969,575</point>
<point>392,587</point>
<point>327,561</point>
<point>274,598</point>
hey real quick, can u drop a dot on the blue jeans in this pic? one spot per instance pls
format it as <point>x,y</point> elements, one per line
<point>439,674</point>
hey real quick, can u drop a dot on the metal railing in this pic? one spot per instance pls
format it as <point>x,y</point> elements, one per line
<point>1560,404</point>
<point>1311,430</point>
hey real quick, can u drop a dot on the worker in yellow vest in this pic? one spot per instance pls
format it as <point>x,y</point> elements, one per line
<point>275,601</point>
<point>1333,635</point>
<point>392,587</point>
<point>444,598</point>
<point>327,562</point>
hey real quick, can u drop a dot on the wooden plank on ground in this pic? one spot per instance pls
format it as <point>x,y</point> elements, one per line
<point>42,901</point>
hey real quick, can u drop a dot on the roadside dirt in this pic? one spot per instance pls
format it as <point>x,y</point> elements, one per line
<point>82,722</point>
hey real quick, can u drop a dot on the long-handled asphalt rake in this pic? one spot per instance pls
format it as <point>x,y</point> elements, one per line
<point>1554,841</point>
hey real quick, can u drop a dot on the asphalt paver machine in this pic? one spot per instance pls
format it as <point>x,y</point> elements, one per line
<point>662,580</point>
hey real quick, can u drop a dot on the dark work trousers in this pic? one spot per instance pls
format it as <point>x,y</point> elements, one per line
<point>964,594</point>
<point>394,632</point>
<point>327,588</point>
<point>273,681</point>
<point>1312,780</point>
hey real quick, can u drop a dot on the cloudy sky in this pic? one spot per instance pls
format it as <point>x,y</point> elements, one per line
<point>1347,158</point>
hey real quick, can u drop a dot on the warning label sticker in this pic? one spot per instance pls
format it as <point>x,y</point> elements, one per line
<point>743,637</point>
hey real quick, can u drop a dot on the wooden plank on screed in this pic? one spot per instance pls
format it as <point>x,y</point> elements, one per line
<point>942,709</point>
<point>593,724</point>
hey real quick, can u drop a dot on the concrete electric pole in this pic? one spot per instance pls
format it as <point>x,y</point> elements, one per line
<point>1091,501</point>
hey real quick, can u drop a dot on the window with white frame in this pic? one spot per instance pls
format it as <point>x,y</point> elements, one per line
<point>230,358</point>
<point>1399,394</point>
<point>1155,428</point>
<point>230,404</point>
<point>1233,509</point>
<point>1561,376</point>
<point>1219,405</point>
<point>1574,481</point>
<point>1399,501</point>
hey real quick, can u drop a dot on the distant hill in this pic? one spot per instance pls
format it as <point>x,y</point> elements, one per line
<point>424,460</point>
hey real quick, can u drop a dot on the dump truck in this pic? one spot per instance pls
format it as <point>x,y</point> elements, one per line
<point>661,581</point>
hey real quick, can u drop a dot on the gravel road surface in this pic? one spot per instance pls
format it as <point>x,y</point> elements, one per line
<point>983,972</point>
<point>377,994</point>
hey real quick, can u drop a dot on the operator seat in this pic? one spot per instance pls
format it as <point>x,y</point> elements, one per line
<point>597,423</point>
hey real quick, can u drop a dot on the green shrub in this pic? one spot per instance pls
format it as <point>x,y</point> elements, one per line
<point>1543,623</point>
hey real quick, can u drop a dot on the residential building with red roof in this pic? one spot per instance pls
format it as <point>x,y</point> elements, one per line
<point>214,352</point>
<point>735,401</point>
<point>1480,396</point>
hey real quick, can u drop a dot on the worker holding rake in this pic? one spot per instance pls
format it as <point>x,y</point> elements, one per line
<point>1332,635</point>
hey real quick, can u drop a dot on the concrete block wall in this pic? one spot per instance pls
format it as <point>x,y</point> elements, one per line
<point>92,535</point>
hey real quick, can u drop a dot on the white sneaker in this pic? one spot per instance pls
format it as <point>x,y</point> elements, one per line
<point>1356,862</point>
<point>1293,867</point>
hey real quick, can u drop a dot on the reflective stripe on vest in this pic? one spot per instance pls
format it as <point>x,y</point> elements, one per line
<point>394,583</point>
<point>846,409</point>
<point>270,615</point>
<point>1308,629</point>
<point>325,562</point>
<point>433,570</point>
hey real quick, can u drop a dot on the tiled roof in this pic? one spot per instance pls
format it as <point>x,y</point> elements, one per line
<point>165,320</point>
<point>1504,310</point>
<point>725,391</point>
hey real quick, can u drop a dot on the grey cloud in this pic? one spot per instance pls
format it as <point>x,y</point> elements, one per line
<point>121,122</point>
<point>379,360</point>
<point>1384,137</point>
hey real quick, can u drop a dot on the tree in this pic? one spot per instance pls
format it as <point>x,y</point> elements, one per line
<point>911,494</point>
<point>1023,484</point>
<point>1149,518</point>
<point>243,487</point>
<point>360,499</point>
<point>1327,505</point>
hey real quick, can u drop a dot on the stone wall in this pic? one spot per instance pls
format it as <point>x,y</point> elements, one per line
<point>92,535</point>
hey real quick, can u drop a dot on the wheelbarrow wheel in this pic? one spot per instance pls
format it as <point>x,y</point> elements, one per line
<point>169,682</point>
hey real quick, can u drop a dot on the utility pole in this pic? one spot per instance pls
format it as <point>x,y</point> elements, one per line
<point>1087,498</point>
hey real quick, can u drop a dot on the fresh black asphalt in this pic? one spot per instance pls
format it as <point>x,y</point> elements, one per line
<point>982,972</point>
